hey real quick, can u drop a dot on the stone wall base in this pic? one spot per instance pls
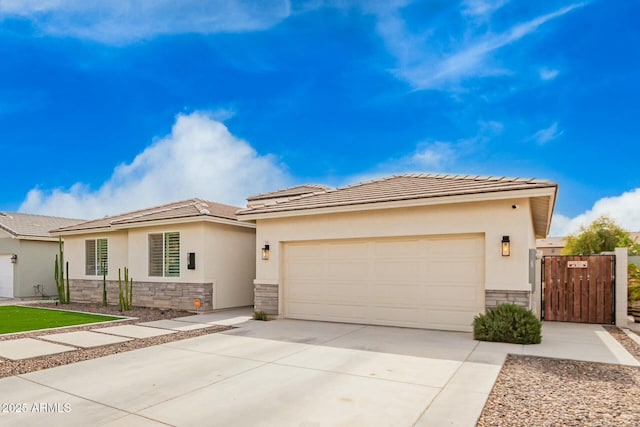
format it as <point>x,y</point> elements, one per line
<point>177,296</point>
<point>494,298</point>
<point>266,298</point>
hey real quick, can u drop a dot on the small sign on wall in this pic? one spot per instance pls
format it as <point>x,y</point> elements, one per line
<point>577,264</point>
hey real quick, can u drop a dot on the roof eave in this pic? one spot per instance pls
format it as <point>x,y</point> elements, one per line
<point>548,191</point>
<point>181,220</point>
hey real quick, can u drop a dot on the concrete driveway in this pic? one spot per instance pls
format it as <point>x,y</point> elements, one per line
<point>282,373</point>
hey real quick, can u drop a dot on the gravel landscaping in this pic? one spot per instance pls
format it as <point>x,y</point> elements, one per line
<point>538,391</point>
<point>9,368</point>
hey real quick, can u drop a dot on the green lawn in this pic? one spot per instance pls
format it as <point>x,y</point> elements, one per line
<point>19,319</point>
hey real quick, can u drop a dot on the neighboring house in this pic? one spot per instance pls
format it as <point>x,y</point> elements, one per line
<point>416,250</point>
<point>555,245</point>
<point>175,253</point>
<point>551,245</point>
<point>27,254</point>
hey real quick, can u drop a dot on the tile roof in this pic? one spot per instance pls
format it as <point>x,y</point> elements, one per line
<point>172,211</point>
<point>290,192</point>
<point>22,225</point>
<point>398,188</point>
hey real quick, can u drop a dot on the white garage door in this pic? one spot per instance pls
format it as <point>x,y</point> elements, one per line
<point>6,276</point>
<point>422,282</point>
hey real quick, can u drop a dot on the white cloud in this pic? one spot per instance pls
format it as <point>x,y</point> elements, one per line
<point>481,8</point>
<point>433,156</point>
<point>548,74</point>
<point>623,209</point>
<point>200,158</point>
<point>543,136</point>
<point>126,21</point>
<point>425,68</point>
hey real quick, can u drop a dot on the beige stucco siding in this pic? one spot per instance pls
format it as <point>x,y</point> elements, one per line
<point>191,240</point>
<point>34,266</point>
<point>492,219</point>
<point>224,258</point>
<point>230,266</point>
<point>117,253</point>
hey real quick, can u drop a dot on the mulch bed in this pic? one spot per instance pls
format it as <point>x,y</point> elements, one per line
<point>10,367</point>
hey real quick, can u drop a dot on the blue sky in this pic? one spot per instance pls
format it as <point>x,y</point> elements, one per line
<point>120,105</point>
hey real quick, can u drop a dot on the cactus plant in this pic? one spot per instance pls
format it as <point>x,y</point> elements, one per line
<point>63,293</point>
<point>104,288</point>
<point>125,291</point>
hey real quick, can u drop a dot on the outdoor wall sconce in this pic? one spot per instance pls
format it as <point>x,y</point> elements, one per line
<point>14,258</point>
<point>506,246</point>
<point>265,252</point>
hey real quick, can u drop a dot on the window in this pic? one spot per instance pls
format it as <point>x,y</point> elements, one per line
<point>96,257</point>
<point>164,254</point>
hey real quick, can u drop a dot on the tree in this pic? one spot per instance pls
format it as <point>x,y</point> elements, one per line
<point>601,235</point>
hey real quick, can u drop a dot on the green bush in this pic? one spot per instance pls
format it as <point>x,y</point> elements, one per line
<point>260,315</point>
<point>508,323</point>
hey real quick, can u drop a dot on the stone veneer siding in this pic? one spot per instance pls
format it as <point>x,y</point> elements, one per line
<point>266,298</point>
<point>178,296</point>
<point>495,298</point>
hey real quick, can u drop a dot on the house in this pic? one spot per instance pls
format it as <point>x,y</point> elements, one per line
<point>555,245</point>
<point>417,250</point>
<point>176,253</point>
<point>27,254</point>
<point>551,245</point>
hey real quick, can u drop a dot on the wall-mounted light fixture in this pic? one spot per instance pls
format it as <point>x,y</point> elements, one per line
<point>14,258</point>
<point>265,252</point>
<point>506,246</point>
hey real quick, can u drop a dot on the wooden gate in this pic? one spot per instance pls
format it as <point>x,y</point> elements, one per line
<point>579,289</point>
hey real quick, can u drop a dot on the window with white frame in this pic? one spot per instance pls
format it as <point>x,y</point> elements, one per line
<point>96,257</point>
<point>164,254</point>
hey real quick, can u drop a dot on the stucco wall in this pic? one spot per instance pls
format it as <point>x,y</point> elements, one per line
<point>34,266</point>
<point>224,258</point>
<point>117,250</point>
<point>230,263</point>
<point>493,219</point>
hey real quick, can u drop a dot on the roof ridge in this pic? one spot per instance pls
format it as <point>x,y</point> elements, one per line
<point>318,186</point>
<point>158,209</point>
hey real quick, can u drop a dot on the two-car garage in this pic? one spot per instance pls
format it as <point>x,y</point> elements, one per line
<point>424,281</point>
<point>413,250</point>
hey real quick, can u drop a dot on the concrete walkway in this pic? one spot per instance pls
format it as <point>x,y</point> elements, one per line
<point>288,372</point>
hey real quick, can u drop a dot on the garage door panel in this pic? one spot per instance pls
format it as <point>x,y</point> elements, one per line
<point>340,269</point>
<point>303,269</point>
<point>351,291</point>
<point>341,250</point>
<point>409,316</point>
<point>401,249</point>
<point>427,282</point>
<point>399,270</point>
<point>454,297</point>
<point>316,311</point>
<point>393,293</point>
<point>451,320</point>
<point>454,272</point>
<point>455,248</point>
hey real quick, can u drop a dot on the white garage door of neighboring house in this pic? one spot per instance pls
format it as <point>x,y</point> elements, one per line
<point>422,282</point>
<point>6,276</point>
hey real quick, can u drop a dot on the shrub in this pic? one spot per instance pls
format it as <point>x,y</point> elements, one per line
<point>260,315</point>
<point>508,323</point>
